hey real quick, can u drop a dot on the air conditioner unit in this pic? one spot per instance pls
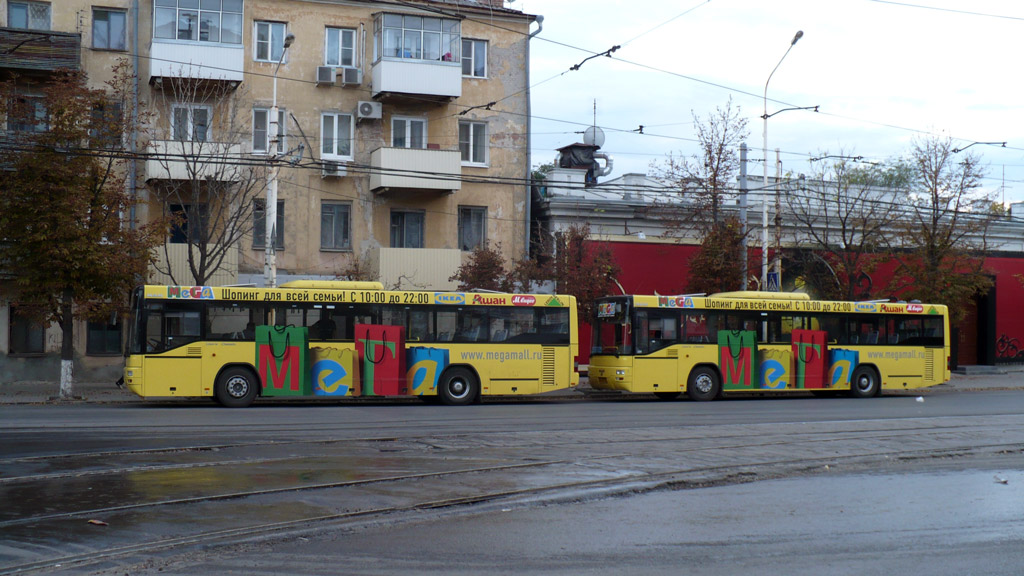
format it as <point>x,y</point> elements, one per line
<point>325,75</point>
<point>333,169</point>
<point>369,110</point>
<point>351,76</point>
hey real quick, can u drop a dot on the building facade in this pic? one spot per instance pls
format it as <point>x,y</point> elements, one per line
<point>401,141</point>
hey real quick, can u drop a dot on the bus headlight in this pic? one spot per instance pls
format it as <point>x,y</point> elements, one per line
<point>620,372</point>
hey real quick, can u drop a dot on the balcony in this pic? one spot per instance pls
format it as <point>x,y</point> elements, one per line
<point>196,61</point>
<point>188,160</point>
<point>416,268</point>
<point>177,256</point>
<point>415,169</point>
<point>39,51</point>
<point>417,78</point>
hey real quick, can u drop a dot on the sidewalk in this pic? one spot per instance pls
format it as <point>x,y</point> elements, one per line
<point>46,392</point>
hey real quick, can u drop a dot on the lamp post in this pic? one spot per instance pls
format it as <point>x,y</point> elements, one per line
<point>270,210</point>
<point>764,188</point>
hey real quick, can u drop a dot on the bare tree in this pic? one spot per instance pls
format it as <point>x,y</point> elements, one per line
<point>212,185</point>
<point>944,232</point>
<point>844,220</point>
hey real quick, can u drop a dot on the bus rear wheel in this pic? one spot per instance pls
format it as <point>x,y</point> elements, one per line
<point>458,387</point>
<point>236,387</point>
<point>865,382</point>
<point>703,384</point>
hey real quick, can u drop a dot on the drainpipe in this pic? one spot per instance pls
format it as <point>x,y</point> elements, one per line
<point>133,138</point>
<point>529,138</point>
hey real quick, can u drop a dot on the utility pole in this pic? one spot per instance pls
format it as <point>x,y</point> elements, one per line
<point>743,212</point>
<point>778,219</point>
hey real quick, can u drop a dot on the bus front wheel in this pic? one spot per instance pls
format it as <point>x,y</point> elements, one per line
<point>458,387</point>
<point>236,387</point>
<point>865,383</point>
<point>703,385</point>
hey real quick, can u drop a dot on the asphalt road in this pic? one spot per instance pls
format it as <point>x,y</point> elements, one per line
<point>789,485</point>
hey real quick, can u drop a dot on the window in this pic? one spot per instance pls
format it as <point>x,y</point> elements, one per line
<point>188,223</point>
<point>28,15</point>
<point>417,37</point>
<point>259,225</point>
<point>269,41</point>
<point>27,114</point>
<point>407,229</point>
<point>336,136</point>
<point>408,132</point>
<point>27,335</point>
<point>472,227</point>
<point>108,28</point>
<point>473,142</point>
<point>103,339</point>
<point>198,20</point>
<point>340,48</point>
<point>335,222</point>
<point>190,122</point>
<point>105,125</point>
<point>261,131</point>
<point>474,58</point>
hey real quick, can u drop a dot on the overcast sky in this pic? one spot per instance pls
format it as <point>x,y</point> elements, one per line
<point>882,73</point>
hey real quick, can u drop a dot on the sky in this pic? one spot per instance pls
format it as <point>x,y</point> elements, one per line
<point>883,74</point>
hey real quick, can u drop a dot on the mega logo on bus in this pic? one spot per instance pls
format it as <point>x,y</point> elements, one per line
<point>449,298</point>
<point>675,302</point>
<point>915,308</point>
<point>190,292</point>
<point>523,300</point>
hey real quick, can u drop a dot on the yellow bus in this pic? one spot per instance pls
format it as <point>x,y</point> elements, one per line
<point>765,342</point>
<point>345,339</point>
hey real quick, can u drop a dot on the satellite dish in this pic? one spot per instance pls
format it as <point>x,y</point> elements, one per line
<point>593,136</point>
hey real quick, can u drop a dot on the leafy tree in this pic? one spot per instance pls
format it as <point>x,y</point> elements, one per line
<point>844,221</point>
<point>583,268</point>
<point>485,270</point>
<point>705,181</point>
<point>65,199</point>
<point>943,232</point>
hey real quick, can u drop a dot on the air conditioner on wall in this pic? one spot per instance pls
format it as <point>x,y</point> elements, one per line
<point>325,75</point>
<point>333,169</point>
<point>369,110</point>
<point>351,77</point>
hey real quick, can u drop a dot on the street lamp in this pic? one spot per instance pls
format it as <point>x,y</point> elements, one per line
<point>270,210</point>
<point>764,202</point>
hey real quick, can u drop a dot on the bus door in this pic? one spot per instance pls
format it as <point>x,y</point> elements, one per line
<point>656,363</point>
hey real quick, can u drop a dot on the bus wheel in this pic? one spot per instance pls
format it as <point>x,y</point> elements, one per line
<point>703,384</point>
<point>667,395</point>
<point>458,387</point>
<point>865,383</point>
<point>236,387</point>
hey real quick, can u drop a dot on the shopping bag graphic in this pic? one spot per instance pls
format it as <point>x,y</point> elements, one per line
<point>281,356</point>
<point>810,349</point>
<point>331,371</point>
<point>737,355</point>
<point>380,351</point>
<point>842,363</point>
<point>425,368</point>
<point>776,369</point>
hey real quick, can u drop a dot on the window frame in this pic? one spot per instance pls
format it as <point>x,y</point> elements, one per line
<point>474,58</point>
<point>402,228</point>
<point>272,41</point>
<point>282,130</point>
<point>259,224</point>
<point>33,328</point>
<point>228,21</point>
<point>101,333</point>
<point>408,136</point>
<point>334,153</point>
<point>28,4</point>
<point>191,121</point>
<point>470,148</point>
<point>386,33</point>
<point>342,33</point>
<point>467,217</point>
<point>345,219</point>
<point>123,45</point>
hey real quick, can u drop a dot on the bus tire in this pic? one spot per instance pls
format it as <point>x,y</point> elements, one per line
<point>236,387</point>
<point>666,395</point>
<point>703,385</point>
<point>865,382</point>
<point>458,387</point>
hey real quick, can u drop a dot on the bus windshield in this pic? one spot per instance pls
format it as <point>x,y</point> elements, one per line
<point>612,329</point>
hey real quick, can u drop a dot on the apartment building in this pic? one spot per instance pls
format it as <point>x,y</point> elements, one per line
<point>400,144</point>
